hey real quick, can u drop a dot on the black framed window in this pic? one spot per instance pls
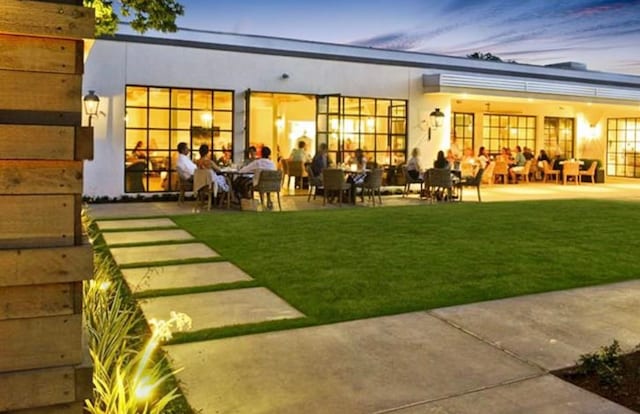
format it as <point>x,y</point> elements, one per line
<point>158,118</point>
<point>559,136</point>
<point>499,131</point>
<point>623,147</point>
<point>462,125</point>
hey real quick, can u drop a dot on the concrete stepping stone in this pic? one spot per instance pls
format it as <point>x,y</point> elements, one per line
<point>146,236</point>
<point>540,395</point>
<point>223,308</point>
<point>363,366</point>
<point>180,276</point>
<point>161,253</point>
<point>135,223</point>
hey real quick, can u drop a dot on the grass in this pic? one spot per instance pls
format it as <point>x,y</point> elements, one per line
<point>336,265</point>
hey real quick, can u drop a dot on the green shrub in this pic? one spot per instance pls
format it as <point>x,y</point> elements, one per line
<point>605,363</point>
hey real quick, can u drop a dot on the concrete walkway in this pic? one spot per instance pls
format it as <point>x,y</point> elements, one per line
<point>489,357</point>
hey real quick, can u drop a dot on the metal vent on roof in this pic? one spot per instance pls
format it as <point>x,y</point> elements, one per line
<point>568,65</point>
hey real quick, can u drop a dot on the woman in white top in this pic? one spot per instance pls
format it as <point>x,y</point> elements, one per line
<point>413,165</point>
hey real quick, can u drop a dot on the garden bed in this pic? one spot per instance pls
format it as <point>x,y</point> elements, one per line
<point>626,392</point>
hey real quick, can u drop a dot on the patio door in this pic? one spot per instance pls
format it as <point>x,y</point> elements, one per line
<point>329,121</point>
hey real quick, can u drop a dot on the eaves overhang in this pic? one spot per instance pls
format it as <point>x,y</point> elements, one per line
<point>528,88</point>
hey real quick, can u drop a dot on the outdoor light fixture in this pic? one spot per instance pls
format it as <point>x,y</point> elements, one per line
<point>91,104</point>
<point>436,119</point>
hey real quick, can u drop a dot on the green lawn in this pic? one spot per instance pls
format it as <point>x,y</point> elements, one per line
<point>342,264</point>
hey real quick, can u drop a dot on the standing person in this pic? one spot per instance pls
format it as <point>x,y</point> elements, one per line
<point>184,166</point>
<point>321,160</point>
<point>414,170</point>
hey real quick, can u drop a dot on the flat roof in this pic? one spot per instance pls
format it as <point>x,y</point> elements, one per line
<point>349,53</point>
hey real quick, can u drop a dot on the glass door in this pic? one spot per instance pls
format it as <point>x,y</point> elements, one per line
<point>329,125</point>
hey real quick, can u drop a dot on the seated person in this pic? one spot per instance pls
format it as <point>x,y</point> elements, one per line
<point>225,159</point>
<point>413,166</point>
<point>321,160</point>
<point>483,157</point>
<point>360,161</point>
<point>243,184</point>
<point>518,163</point>
<point>184,166</point>
<point>441,161</point>
<point>205,163</point>
<point>250,156</point>
<point>300,153</point>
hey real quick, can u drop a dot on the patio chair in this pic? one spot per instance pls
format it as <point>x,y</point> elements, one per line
<point>372,184</point>
<point>475,181</point>
<point>268,182</point>
<point>549,171</point>
<point>571,169</point>
<point>501,169</point>
<point>184,185</point>
<point>315,183</point>
<point>524,173</point>
<point>442,183</point>
<point>334,182</point>
<point>487,176</point>
<point>296,171</point>
<point>408,181</point>
<point>590,172</point>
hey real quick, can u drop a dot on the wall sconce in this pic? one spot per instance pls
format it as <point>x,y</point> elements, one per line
<point>280,122</point>
<point>436,119</point>
<point>593,132</point>
<point>91,104</point>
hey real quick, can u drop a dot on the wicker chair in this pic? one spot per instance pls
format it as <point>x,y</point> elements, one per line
<point>590,172</point>
<point>441,182</point>
<point>295,170</point>
<point>524,173</point>
<point>501,169</point>
<point>571,169</point>
<point>184,185</point>
<point>408,181</point>
<point>268,182</point>
<point>334,182</point>
<point>487,176</point>
<point>475,181</point>
<point>549,171</point>
<point>372,184</point>
<point>315,183</point>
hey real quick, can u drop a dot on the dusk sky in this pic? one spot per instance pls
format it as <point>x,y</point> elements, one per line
<point>603,34</point>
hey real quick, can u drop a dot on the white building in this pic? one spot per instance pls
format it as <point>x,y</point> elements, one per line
<point>236,90</point>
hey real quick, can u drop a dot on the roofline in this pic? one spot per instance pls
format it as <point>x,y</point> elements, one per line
<point>347,53</point>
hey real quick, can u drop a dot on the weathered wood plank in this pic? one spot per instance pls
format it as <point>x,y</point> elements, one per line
<point>40,342</point>
<point>84,143</point>
<point>36,388</point>
<point>37,142</point>
<point>46,19</point>
<point>35,301</point>
<point>71,408</point>
<point>41,177</point>
<point>37,221</point>
<point>33,91</point>
<point>37,54</point>
<point>40,266</point>
<point>40,117</point>
<point>46,142</point>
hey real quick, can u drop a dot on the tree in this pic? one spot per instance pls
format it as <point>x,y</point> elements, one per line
<point>147,14</point>
<point>484,56</point>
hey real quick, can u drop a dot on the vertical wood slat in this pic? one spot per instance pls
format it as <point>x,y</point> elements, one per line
<point>35,54</point>
<point>38,221</point>
<point>43,342</point>
<point>41,177</point>
<point>33,91</point>
<point>43,266</point>
<point>69,408</point>
<point>35,18</point>
<point>36,301</point>
<point>36,388</point>
<point>46,142</point>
